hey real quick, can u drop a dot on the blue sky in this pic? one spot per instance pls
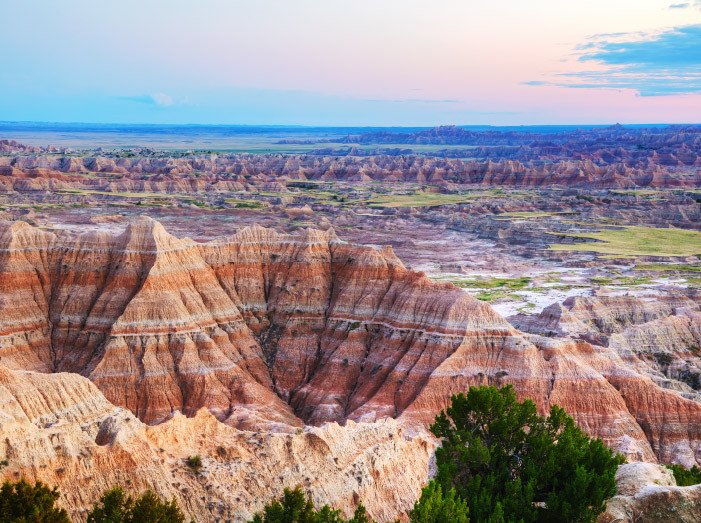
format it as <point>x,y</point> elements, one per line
<point>382,62</point>
<point>666,63</point>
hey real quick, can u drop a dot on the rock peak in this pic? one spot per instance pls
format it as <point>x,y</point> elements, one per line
<point>146,234</point>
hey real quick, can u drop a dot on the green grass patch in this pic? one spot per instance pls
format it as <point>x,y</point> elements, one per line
<point>667,267</point>
<point>513,284</point>
<point>245,204</point>
<point>489,296</point>
<point>641,192</point>
<point>620,280</point>
<point>417,200</point>
<point>637,241</point>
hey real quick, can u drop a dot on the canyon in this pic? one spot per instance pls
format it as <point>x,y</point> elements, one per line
<point>300,319</point>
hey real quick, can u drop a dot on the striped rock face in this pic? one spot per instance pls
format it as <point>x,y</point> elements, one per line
<point>271,331</point>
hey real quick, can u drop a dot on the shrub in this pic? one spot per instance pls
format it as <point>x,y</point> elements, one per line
<point>663,358</point>
<point>195,463</point>
<point>113,507</point>
<point>684,476</point>
<point>21,502</point>
<point>509,464</point>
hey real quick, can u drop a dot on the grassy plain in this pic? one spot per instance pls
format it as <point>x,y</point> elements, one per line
<point>637,241</point>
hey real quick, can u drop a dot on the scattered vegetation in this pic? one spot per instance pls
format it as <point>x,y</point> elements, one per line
<point>663,358</point>
<point>686,477</point>
<point>637,241</point>
<point>295,507</point>
<point>620,280</point>
<point>509,464</point>
<point>21,502</point>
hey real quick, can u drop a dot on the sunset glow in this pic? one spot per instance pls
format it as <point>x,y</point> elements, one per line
<point>386,62</point>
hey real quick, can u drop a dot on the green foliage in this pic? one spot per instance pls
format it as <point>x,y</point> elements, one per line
<point>294,507</point>
<point>21,502</point>
<point>195,463</point>
<point>114,507</point>
<point>684,476</point>
<point>360,515</point>
<point>149,507</point>
<point>433,507</point>
<point>663,358</point>
<point>510,464</point>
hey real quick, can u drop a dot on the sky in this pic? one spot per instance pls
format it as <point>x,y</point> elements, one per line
<point>360,62</point>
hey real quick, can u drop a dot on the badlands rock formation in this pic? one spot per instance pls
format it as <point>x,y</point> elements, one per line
<point>61,430</point>
<point>658,335</point>
<point>232,172</point>
<point>270,331</point>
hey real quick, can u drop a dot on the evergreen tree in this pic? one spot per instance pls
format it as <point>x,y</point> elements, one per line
<point>510,464</point>
<point>114,507</point>
<point>686,477</point>
<point>295,507</point>
<point>433,507</point>
<point>21,502</point>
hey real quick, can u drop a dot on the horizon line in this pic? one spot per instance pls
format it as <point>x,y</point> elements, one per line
<point>341,126</point>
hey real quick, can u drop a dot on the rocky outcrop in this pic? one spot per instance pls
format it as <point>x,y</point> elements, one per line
<point>648,493</point>
<point>61,430</point>
<point>272,331</point>
<point>658,335</point>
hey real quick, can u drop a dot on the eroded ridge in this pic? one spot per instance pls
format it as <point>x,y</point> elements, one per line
<point>268,330</point>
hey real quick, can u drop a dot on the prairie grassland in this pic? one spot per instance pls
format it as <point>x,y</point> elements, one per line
<point>637,241</point>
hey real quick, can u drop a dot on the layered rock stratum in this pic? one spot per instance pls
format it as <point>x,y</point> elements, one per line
<point>613,157</point>
<point>60,429</point>
<point>242,342</point>
<point>271,330</point>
